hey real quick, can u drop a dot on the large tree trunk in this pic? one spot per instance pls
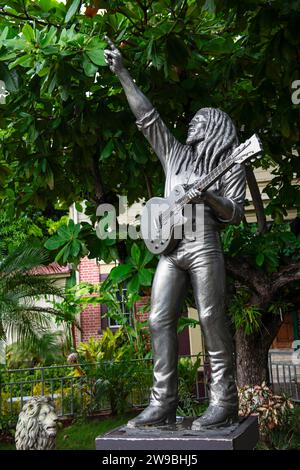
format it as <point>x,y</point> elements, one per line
<point>252,352</point>
<point>251,359</point>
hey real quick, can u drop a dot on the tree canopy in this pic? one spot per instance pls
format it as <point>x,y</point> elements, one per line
<point>67,133</point>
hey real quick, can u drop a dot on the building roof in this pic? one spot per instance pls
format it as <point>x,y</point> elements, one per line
<point>51,269</point>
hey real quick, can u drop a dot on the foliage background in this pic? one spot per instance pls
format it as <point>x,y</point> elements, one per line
<point>67,134</point>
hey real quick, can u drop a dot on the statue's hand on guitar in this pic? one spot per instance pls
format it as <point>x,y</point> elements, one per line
<point>196,195</point>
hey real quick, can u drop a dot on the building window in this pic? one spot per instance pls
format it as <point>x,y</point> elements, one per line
<point>121,296</point>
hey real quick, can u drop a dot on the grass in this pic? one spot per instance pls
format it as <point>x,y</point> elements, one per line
<point>81,434</point>
<point>5,446</point>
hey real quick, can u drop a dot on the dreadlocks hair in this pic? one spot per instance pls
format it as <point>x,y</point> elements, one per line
<point>219,142</point>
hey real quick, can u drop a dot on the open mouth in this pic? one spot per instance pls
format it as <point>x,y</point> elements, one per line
<point>51,429</point>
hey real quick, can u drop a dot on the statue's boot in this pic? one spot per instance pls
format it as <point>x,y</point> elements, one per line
<point>216,416</point>
<point>154,416</point>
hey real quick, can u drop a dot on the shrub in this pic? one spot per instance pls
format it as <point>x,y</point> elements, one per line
<point>75,400</point>
<point>7,426</point>
<point>7,409</point>
<point>274,411</point>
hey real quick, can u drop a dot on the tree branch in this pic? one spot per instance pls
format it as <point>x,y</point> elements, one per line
<point>144,10</point>
<point>149,185</point>
<point>25,9</point>
<point>119,10</point>
<point>242,271</point>
<point>257,200</point>
<point>271,325</point>
<point>264,285</point>
<point>285,275</point>
<point>27,18</point>
<point>99,191</point>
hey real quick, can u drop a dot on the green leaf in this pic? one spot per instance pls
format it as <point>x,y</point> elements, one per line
<point>16,43</point>
<point>135,254</point>
<point>114,252</point>
<point>7,55</point>
<point>49,177</point>
<point>119,273</point>
<point>176,51</point>
<point>4,34</point>
<point>285,126</point>
<point>72,10</point>
<point>210,6</point>
<point>260,259</point>
<point>51,49</point>
<point>49,37</point>
<point>60,254</point>
<point>133,285</point>
<point>52,84</point>
<point>89,68</point>
<point>185,322</point>
<point>76,230</point>
<point>145,277</point>
<point>75,247</point>
<point>54,242</point>
<point>44,71</point>
<point>28,32</point>
<point>64,233</point>
<point>78,207</point>
<point>96,43</point>
<point>107,151</point>
<point>46,5</point>
<point>218,46</point>
<point>25,61</point>
<point>95,51</point>
<point>147,258</point>
<point>66,252</point>
<point>97,57</point>
<point>11,79</point>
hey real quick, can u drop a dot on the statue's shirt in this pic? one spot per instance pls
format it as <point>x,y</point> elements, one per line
<point>170,152</point>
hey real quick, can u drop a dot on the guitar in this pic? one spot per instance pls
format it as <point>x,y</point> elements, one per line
<point>161,216</point>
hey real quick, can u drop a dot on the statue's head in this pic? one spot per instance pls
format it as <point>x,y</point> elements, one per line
<point>37,425</point>
<point>208,123</point>
<point>215,132</point>
<point>197,127</point>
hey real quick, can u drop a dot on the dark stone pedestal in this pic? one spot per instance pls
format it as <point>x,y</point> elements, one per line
<point>241,436</point>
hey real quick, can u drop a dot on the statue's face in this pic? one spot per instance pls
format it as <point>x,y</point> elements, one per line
<point>47,419</point>
<point>196,130</point>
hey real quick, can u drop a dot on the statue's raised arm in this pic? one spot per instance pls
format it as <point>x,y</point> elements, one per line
<point>148,120</point>
<point>138,102</point>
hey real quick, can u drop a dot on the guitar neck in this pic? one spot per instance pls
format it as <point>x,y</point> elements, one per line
<point>214,175</point>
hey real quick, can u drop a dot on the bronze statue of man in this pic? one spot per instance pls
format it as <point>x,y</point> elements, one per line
<point>212,137</point>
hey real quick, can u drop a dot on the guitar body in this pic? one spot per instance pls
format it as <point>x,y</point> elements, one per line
<point>157,234</point>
